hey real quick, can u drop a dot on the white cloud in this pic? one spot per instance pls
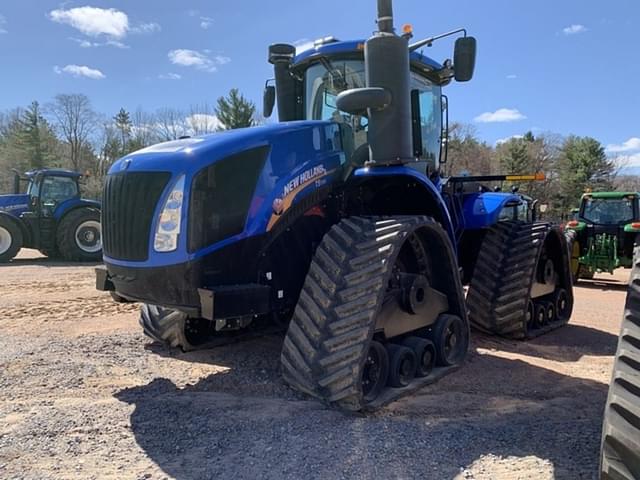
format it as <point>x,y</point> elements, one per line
<point>206,22</point>
<point>94,21</point>
<point>146,28</point>
<point>202,123</point>
<point>500,115</point>
<point>631,145</point>
<point>3,24</point>
<point>500,141</point>
<point>170,76</point>
<point>89,44</point>
<point>80,71</point>
<point>574,29</point>
<point>199,60</point>
<point>512,76</point>
<point>628,161</point>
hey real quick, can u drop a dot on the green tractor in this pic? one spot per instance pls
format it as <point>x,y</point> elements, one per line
<point>603,232</point>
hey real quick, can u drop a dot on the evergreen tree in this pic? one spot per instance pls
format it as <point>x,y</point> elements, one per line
<point>235,111</point>
<point>123,124</point>
<point>583,164</point>
<point>35,138</point>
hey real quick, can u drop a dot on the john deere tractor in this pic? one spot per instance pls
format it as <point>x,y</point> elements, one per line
<point>603,233</point>
<point>50,217</point>
<point>336,224</point>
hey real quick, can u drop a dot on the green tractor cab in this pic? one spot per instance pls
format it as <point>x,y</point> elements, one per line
<point>603,232</point>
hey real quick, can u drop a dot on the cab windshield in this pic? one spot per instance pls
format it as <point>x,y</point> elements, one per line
<point>606,211</point>
<point>326,79</point>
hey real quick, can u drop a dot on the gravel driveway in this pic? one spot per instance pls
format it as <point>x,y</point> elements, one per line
<point>84,395</point>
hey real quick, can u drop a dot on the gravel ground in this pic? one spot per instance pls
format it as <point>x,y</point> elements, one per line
<point>84,395</point>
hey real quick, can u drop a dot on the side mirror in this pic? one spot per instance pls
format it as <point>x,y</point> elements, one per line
<point>357,100</point>
<point>268,100</point>
<point>464,59</point>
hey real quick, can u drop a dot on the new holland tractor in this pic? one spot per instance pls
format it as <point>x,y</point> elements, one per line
<point>335,223</point>
<point>50,217</point>
<point>603,233</point>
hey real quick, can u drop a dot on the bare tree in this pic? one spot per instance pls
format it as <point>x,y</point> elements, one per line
<point>202,119</point>
<point>76,121</point>
<point>142,133</point>
<point>170,124</point>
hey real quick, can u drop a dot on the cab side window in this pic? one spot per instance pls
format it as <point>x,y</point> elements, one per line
<point>58,189</point>
<point>430,117</point>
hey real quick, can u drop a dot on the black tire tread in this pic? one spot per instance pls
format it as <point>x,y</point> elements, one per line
<point>332,326</point>
<point>165,326</point>
<point>620,453</point>
<point>65,236</point>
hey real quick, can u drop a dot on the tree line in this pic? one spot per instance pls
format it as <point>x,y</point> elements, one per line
<point>68,132</point>
<point>572,165</point>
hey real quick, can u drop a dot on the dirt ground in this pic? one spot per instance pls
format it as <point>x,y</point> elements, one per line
<point>83,394</point>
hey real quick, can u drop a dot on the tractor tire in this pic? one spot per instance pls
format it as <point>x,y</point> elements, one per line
<point>10,239</point>
<point>574,253</point>
<point>172,328</point>
<point>620,452</point>
<point>500,289</point>
<point>79,236</point>
<point>328,350</point>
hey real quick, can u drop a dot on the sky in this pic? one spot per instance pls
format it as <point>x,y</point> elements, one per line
<point>563,66</point>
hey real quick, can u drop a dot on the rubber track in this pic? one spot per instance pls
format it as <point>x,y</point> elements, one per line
<point>504,273</point>
<point>620,458</point>
<point>328,338</point>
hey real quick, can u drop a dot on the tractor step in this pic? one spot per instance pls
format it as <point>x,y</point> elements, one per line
<point>508,266</point>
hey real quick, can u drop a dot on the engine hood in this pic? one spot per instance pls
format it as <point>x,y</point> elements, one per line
<point>14,204</point>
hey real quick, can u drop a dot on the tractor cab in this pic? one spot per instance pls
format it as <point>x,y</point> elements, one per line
<point>49,189</point>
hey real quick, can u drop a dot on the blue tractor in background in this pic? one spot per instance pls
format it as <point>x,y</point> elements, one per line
<point>50,217</point>
<point>336,223</point>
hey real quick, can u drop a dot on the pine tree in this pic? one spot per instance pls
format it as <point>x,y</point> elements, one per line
<point>235,111</point>
<point>123,124</point>
<point>35,137</point>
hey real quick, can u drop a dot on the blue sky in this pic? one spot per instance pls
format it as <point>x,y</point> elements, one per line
<point>567,66</point>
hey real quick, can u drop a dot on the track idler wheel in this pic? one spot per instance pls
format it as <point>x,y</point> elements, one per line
<point>531,315</point>
<point>425,352</point>
<point>451,340</point>
<point>375,371</point>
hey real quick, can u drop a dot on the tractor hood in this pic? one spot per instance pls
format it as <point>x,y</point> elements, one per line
<point>14,204</point>
<point>189,155</point>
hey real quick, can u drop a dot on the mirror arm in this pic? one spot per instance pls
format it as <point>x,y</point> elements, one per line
<point>429,41</point>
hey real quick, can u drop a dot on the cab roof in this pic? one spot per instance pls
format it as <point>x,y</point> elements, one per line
<point>336,47</point>
<point>60,172</point>
<point>612,195</point>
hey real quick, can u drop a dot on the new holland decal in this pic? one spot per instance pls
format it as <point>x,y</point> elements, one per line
<point>298,183</point>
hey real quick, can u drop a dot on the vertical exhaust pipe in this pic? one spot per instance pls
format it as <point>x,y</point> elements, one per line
<point>385,16</point>
<point>281,57</point>
<point>387,66</point>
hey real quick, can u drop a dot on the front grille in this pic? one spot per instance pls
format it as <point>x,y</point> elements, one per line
<point>128,203</point>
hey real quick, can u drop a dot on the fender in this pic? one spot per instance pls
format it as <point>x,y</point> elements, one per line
<point>73,204</point>
<point>426,186</point>
<point>482,210</point>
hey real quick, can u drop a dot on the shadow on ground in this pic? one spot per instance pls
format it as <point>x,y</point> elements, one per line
<point>224,427</point>
<point>47,262</point>
<point>567,344</point>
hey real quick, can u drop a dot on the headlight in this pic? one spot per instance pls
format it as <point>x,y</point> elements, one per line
<point>168,231</point>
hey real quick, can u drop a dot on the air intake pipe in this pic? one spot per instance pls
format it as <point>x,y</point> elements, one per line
<point>281,56</point>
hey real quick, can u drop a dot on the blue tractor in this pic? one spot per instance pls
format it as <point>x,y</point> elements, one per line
<point>335,223</point>
<point>50,217</point>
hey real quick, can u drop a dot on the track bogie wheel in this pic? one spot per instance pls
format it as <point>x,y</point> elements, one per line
<point>425,352</point>
<point>540,314</point>
<point>562,304</point>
